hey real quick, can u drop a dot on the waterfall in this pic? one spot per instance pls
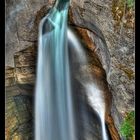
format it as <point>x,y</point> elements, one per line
<point>54,118</point>
<point>54,112</point>
<point>97,102</point>
<point>94,94</point>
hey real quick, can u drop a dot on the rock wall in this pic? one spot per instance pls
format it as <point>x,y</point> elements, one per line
<point>19,93</point>
<point>22,25</point>
<point>117,26</point>
<point>19,113</point>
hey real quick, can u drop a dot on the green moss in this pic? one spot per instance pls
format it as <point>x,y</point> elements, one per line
<point>128,126</point>
<point>130,3</point>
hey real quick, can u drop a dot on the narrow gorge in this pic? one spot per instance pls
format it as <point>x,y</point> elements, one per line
<point>106,42</point>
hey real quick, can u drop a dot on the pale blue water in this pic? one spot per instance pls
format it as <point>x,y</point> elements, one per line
<point>54,112</point>
<point>53,104</point>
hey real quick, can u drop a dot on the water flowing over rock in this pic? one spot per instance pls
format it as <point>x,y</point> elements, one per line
<point>120,42</point>
<point>54,116</point>
<point>94,66</point>
<point>21,37</point>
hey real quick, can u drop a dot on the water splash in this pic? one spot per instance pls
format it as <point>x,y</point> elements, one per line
<point>53,102</point>
<point>98,104</point>
<point>94,94</point>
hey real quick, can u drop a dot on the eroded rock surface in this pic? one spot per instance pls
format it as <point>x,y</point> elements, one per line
<point>9,76</point>
<point>22,25</point>
<point>19,113</point>
<point>120,42</point>
<point>22,20</point>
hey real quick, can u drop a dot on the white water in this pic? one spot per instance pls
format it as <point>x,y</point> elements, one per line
<point>54,119</point>
<point>94,94</point>
<point>97,102</point>
<point>54,115</point>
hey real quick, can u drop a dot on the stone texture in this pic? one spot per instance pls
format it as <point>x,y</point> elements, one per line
<point>22,19</point>
<point>19,96</point>
<point>9,76</point>
<point>112,129</point>
<point>120,42</point>
<point>24,67</point>
<point>25,62</point>
<point>18,113</point>
<point>94,67</point>
<point>22,25</point>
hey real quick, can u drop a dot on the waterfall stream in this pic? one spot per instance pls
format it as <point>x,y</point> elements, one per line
<point>54,111</point>
<point>53,103</point>
<point>94,94</point>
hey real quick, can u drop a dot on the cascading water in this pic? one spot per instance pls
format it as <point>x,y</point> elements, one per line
<point>94,94</point>
<point>54,113</point>
<point>97,104</point>
<point>54,118</point>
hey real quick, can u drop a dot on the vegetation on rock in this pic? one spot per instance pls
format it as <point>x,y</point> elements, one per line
<point>130,3</point>
<point>123,13</point>
<point>127,129</point>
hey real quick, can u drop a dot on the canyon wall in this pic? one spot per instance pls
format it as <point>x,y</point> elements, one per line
<point>114,19</point>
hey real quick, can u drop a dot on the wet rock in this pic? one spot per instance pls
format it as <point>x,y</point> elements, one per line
<point>20,96</point>
<point>80,73</point>
<point>23,17</point>
<point>18,113</point>
<point>120,42</point>
<point>92,69</point>
<point>113,131</point>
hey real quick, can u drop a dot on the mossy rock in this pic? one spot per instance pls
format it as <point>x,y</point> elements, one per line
<point>127,129</point>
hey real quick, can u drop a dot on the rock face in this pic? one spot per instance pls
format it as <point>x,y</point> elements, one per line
<point>22,20</point>
<point>94,67</point>
<point>18,113</point>
<point>22,25</point>
<point>119,35</point>
<point>9,76</point>
<point>25,62</point>
<point>19,96</point>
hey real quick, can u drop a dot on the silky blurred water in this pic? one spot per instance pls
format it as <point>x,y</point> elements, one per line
<point>94,94</point>
<point>53,102</point>
<point>54,111</point>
